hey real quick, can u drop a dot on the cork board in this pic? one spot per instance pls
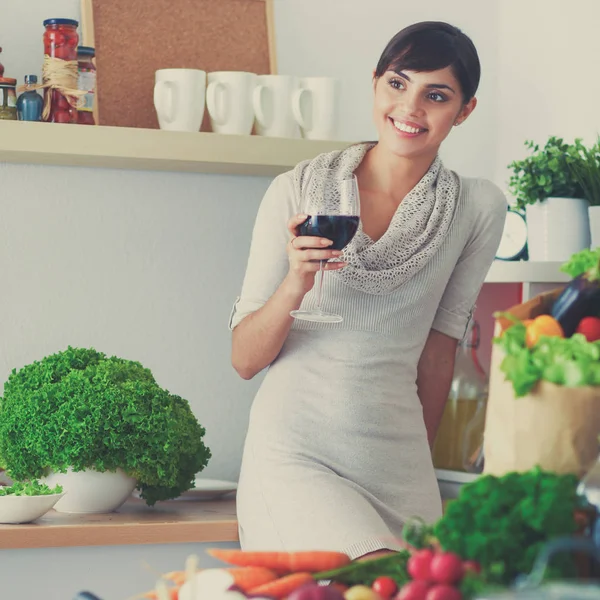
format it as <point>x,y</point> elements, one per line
<point>135,38</point>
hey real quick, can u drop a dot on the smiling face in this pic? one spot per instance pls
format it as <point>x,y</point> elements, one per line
<point>415,111</point>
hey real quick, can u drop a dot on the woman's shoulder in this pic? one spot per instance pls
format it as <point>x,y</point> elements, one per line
<point>481,195</point>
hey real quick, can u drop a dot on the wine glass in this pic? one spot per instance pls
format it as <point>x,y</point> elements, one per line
<point>332,204</point>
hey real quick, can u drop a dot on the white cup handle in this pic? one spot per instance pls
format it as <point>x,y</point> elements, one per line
<point>296,110</point>
<point>211,101</point>
<point>164,99</point>
<point>259,113</point>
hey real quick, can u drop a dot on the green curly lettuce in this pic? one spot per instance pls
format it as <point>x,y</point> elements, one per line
<point>570,362</point>
<point>30,488</point>
<point>586,262</point>
<point>79,408</point>
<point>503,522</point>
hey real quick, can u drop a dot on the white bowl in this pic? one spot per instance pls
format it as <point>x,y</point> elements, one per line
<point>24,509</point>
<point>88,492</point>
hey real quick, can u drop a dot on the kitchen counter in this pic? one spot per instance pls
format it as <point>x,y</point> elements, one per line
<point>171,522</point>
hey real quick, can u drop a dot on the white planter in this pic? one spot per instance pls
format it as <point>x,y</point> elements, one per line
<point>557,228</point>
<point>90,491</point>
<point>594,213</point>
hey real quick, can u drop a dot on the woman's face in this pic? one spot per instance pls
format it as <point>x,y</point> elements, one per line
<point>415,111</point>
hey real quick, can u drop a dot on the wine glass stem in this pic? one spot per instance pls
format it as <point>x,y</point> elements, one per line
<point>320,284</point>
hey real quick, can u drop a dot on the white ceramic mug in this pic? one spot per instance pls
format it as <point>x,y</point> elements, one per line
<point>315,107</point>
<point>272,103</point>
<point>229,101</point>
<point>179,98</point>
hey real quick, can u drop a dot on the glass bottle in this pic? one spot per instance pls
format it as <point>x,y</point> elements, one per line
<point>60,42</point>
<point>86,83</point>
<point>459,440</point>
<point>589,488</point>
<point>8,99</point>
<point>30,103</point>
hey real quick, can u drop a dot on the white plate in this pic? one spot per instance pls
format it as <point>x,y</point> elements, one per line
<point>205,489</point>
<point>210,489</point>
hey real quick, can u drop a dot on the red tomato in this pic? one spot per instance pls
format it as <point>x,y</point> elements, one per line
<point>60,101</point>
<point>385,586</point>
<point>56,37</point>
<point>446,567</point>
<point>590,328</point>
<point>64,52</point>
<point>419,565</point>
<point>471,566</point>
<point>414,590</point>
<point>61,116</point>
<point>443,592</point>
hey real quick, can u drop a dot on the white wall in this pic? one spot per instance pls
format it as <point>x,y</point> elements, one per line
<point>548,80</point>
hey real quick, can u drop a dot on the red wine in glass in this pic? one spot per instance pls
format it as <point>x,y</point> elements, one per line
<point>340,229</point>
<point>333,206</point>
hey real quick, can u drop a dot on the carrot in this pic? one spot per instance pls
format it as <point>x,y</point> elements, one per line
<point>308,561</point>
<point>247,578</point>
<point>282,587</point>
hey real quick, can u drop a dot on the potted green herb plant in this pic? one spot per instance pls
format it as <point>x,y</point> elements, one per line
<point>587,173</point>
<point>99,426</point>
<point>544,184</point>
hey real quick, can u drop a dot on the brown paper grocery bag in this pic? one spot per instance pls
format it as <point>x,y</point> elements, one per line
<point>554,427</point>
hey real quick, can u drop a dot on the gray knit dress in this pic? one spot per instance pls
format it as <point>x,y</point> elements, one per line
<point>336,455</point>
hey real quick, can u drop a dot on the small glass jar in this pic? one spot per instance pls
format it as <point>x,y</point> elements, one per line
<point>86,83</point>
<point>8,99</point>
<point>60,41</point>
<point>30,104</point>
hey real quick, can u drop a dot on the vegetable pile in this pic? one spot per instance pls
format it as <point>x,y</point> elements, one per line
<point>562,347</point>
<point>81,409</point>
<point>488,536</point>
<point>29,488</point>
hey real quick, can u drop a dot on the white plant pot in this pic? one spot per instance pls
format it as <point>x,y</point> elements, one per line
<point>90,491</point>
<point>594,214</point>
<point>557,228</point>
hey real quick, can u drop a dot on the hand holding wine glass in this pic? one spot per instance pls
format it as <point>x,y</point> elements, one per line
<point>331,204</point>
<point>306,253</point>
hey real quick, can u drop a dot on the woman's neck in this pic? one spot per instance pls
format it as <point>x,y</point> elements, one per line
<point>392,175</point>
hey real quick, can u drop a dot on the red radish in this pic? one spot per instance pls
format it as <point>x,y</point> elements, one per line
<point>590,328</point>
<point>471,566</point>
<point>446,567</point>
<point>414,590</point>
<point>419,565</point>
<point>385,586</point>
<point>443,592</point>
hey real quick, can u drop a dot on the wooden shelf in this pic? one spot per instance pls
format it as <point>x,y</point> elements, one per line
<point>172,522</point>
<point>153,149</point>
<point>526,272</point>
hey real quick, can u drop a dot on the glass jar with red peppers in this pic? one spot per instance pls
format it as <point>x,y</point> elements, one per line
<point>60,41</point>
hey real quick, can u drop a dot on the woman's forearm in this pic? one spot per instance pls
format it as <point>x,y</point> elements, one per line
<point>434,379</point>
<point>258,339</point>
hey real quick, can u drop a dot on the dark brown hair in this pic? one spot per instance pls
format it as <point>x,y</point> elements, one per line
<point>433,45</point>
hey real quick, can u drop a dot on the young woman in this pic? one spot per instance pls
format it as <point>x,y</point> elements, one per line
<point>337,454</point>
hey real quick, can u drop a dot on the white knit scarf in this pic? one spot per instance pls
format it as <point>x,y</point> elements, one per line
<point>416,231</point>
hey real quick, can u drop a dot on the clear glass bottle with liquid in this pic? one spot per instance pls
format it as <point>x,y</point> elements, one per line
<point>459,442</point>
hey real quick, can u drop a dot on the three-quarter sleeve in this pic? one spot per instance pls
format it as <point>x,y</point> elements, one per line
<point>458,301</point>
<point>268,261</point>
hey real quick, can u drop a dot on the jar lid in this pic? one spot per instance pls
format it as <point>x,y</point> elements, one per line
<point>8,81</point>
<point>31,79</point>
<point>86,50</point>
<point>61,22</point>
